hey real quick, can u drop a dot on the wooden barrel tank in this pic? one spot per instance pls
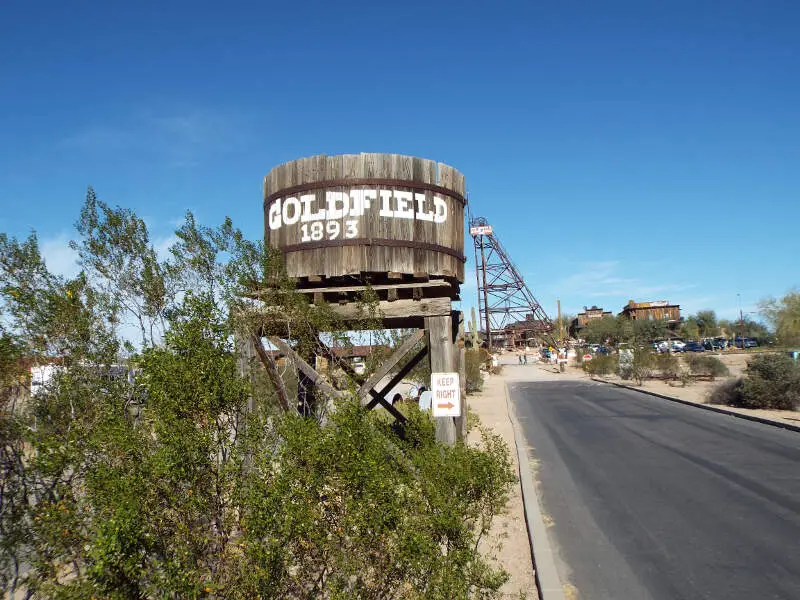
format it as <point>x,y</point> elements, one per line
<point>367,217</point>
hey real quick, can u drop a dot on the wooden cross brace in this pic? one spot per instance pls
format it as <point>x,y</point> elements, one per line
<point>368,395</point>
<point>367,390</point>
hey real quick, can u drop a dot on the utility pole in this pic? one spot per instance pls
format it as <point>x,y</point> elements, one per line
<point>741,321</point>
<point>560,325</point>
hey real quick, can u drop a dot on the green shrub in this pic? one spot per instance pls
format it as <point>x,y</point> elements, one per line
<point>728,393</point>
<point>474,359</point>
<point>708,366</point>
<point>772,381</point>
<point>336,511</point>
<point>643,363</point>
<point>668,365</point>
<point>601,365</point>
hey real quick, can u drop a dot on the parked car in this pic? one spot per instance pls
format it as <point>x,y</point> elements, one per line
<point>693,347</point>
<point>603,350</point>
<point>711,344</point>
<point>676,346</point>
<point>746,343</point>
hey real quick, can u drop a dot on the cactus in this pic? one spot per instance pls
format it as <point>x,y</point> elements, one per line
<point>473,330</point>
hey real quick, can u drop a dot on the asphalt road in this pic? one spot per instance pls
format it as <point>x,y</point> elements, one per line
<point>651,499</point>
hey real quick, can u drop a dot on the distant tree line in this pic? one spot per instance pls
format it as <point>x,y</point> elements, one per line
<point>783,315</point>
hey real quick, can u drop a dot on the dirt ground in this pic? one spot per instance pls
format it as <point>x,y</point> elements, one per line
<point>508,539</point>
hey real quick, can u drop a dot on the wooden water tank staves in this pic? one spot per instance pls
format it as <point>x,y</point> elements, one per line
<point>366,215</point>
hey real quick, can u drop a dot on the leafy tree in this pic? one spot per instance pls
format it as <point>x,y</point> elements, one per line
<point>784,315</point>
<point>197,477</point>
<point>646,331</point>
<point>747,327</point>
<point>602,331</point>
<point>707,323</point>
<point>702,325</point>
<point>615,330</point>
<point>690,329</point>
<point>116,253</point>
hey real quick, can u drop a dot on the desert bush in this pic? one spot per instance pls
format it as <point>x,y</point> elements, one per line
<point>643,364</point>
<point>474,360</point>
<point>601,365</point>
<point>708,366</point>
<point>636,364</point>
<point>353,528</point>
<point>772,381</point>
<point>728,393</point>
<point>668,364</point>
<point>217,487</point>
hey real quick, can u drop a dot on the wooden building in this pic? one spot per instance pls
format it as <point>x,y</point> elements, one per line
<point>584,318</point>
<point>660,310</point>
<point>523,334</point>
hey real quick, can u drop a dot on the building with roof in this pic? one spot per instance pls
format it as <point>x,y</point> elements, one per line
<point>659,310</point>
<point>584,318</point>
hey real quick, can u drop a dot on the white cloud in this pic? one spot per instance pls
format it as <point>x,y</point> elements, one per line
<point>162,246</point>
<point>59,257</point>
<point>604,279</point>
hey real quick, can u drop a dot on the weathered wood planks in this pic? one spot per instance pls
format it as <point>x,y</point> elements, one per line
<point>357,214</point>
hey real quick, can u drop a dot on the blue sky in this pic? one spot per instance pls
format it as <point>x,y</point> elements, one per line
<point>645,150</point>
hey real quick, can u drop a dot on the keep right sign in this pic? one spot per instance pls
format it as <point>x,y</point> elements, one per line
<point>446,392</point>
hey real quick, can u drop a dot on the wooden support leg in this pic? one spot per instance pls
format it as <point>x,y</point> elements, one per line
<point>443,360</point>
<point>305,395</point>
<point>461,363</point>
<point>272,371</point>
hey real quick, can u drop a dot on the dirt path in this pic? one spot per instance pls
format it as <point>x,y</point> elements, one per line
<point>508,539</point>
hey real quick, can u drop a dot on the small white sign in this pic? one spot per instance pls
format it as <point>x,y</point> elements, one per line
<point>480,230</point>
<point>446,392</point>
<point>425,400</point>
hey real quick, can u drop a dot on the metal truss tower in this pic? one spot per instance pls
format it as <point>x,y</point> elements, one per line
<point>506,305</point>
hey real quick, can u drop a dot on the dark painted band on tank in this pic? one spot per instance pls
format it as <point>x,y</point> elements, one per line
<point>400,183</point>
<point>375,242</point>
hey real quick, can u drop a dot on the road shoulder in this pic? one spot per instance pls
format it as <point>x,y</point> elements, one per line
<point>525,542</point>
<point>508,538</point>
